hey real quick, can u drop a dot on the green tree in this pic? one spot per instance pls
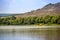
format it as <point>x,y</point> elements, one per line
<point>53,19</point>
<point>12,18</point>
<point>39,20</point>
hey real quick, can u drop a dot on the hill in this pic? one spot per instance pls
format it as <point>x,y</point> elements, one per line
<point>50,9</point>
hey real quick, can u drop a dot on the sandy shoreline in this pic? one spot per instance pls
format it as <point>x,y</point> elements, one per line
<point>21,27</point>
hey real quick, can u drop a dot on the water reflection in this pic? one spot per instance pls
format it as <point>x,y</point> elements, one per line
<point>30,34</point>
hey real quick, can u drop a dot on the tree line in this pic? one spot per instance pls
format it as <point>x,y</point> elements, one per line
<point>30,20</point>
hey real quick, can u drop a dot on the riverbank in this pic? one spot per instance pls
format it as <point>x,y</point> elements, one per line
<point>26,26</point>
<point>34,25</point>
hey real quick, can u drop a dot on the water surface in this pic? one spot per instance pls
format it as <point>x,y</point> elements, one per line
<point>30,34</point>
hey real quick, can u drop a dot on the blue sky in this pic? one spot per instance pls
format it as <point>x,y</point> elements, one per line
<point>21,6</point>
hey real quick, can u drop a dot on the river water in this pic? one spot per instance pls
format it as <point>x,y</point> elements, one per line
<point>30,34</point>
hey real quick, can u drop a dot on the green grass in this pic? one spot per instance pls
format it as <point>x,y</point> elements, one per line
<point>33,25</point>
<point>51,24</point>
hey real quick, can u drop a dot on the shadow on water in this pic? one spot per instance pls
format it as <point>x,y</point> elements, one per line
<point>30,34</point>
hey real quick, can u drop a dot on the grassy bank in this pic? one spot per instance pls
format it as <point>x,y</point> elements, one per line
<point>34,25</point>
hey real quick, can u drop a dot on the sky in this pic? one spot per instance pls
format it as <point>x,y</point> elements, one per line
<point>22,6</point>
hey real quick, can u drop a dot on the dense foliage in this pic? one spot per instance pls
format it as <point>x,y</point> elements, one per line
<point>30,20</point>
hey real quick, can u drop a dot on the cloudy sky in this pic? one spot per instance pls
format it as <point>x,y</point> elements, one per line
<point>21,6</point>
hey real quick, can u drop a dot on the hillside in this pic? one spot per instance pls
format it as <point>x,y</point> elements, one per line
<point>50,9</point>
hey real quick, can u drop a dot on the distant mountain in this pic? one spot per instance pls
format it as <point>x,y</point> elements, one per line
<point>4,14</point>
<point>8,14</point>
<point>50,9</point>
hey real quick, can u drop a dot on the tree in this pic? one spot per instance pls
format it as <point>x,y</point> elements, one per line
<point>58,20</point>
<point>53,19</point>
<point>39,20</point>
<point>12,18</point>
<point>19,21</point>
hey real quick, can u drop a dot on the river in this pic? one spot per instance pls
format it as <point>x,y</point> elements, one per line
<point>30,34</point>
